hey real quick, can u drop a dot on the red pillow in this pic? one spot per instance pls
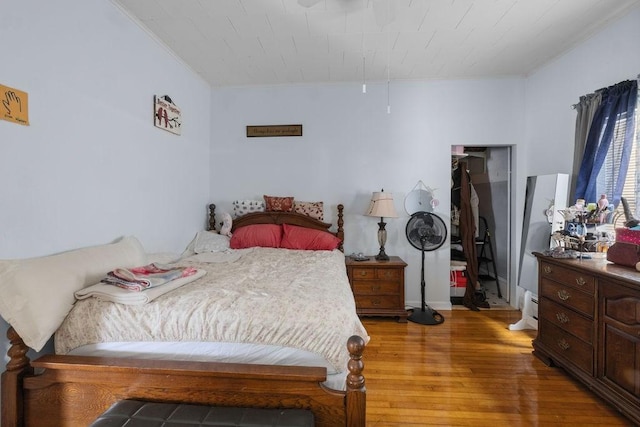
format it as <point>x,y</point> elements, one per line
<point>264,235</point>
<point>295,237</point>
<point>278,204</point>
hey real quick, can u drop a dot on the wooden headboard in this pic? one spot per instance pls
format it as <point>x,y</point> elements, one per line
<point>292,218</point>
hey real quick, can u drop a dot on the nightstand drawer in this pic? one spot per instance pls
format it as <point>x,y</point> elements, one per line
<point>364,273</point>
<point>388,273</point>
<point>375,288</point>
<point>376,273</point>
<point>378,302</point>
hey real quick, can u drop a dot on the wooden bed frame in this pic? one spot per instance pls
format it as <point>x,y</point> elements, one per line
<point>73,391</point>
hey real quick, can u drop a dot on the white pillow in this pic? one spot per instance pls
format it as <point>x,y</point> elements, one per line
<point>243,207</point>
<point>37,293</point>
<point>208,241</point>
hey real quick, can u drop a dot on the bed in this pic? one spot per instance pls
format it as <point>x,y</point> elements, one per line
<point>72,388</point>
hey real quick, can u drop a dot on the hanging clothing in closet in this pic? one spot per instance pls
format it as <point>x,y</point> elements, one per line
<point>456,177</point>
<point>464,201</point>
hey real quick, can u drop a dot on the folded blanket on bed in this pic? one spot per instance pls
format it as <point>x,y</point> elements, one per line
<point>106,292</point>
<point>147,276</point>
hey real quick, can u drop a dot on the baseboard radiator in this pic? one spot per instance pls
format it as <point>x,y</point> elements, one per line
<point>529,312</point>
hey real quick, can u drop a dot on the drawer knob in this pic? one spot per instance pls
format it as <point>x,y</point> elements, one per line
<point>363,273</point>
<point>563,344</point>
<point>547,269</point>
<point>375,302</point>
<point>562,317</point>
<point>580,281</point>
<point>563,295</point>
<point>375,288</point>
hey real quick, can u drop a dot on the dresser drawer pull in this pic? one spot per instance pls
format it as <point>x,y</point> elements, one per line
<point>375,288</point>
<point>363,273</point>
<point>563,344</point>
<point>375,302</point>
<point>563,295</point>
<point>580,281</point>
<point>547,269</point>
<point>562,317</point>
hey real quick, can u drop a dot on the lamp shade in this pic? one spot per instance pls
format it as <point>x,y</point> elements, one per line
<point>381,205</point>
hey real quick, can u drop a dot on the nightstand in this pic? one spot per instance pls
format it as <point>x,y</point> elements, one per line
<point>378,286</point>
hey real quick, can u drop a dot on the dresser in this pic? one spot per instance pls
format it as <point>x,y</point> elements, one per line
<point>378,286</point>
<point>589,324</point>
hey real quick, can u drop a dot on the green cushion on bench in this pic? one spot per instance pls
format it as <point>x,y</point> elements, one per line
<point>135,413</point>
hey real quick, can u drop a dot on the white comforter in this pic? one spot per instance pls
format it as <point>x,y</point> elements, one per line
<point>298,299</point>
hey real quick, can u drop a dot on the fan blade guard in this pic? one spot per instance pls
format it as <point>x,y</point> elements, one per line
<point>426,231</point>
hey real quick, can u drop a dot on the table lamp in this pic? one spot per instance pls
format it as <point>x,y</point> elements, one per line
<point>381,205</point>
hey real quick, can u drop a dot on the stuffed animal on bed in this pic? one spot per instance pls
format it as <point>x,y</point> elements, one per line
<point>226,225</point>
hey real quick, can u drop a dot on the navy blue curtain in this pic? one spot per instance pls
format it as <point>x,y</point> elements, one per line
<point>617,101</point>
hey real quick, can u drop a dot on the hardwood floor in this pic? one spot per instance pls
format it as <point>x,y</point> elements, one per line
<point>470,371</point>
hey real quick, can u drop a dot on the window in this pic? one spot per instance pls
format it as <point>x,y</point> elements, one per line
<point>609,172</point>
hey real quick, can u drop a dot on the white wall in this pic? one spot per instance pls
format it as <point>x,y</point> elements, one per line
<point>351,147</point>
<point>91,167</point>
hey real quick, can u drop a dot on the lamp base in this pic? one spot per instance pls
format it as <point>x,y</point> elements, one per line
<point>427,317</point>
<point>382,256</point>
<point>382,239</point>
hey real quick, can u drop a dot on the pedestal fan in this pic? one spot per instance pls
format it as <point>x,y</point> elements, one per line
<point>426,231</point>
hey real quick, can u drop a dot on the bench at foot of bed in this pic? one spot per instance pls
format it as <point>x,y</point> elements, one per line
<point>180,414</point>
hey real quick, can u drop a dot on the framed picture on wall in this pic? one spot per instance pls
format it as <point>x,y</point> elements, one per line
<point>166,114</point>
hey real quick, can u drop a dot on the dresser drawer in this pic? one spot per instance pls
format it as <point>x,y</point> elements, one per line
<point>375,287</point>
<point>566,319</point>
<point>566,345</point>
<point>378,302</point>
<point>567,296</point>
<point>568,277</point>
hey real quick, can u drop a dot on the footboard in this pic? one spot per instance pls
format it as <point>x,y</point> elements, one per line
<point>74,390</point>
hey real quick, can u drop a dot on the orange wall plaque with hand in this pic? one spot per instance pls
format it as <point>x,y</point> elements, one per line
<point>14,105</point>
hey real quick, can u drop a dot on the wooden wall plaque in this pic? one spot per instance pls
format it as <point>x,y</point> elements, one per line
<point>274,130</point>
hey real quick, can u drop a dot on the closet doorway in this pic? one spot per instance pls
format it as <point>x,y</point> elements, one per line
<point>489,169</point>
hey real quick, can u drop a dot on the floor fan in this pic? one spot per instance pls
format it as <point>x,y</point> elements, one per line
<point>425,231</point>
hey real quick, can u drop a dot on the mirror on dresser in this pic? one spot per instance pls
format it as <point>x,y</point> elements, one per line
<point>545,196</point>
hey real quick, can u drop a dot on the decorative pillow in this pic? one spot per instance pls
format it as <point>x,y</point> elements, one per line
<point>37,293</point>
<point>312,209</point>
<point>264,235</point>
<point>243,207</point>
<point>278,204</point>
<point>295,237</point>
<point>209,241</point>
<point>227,222</point>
